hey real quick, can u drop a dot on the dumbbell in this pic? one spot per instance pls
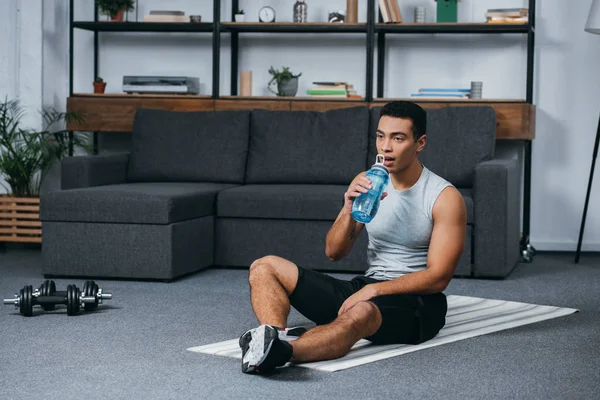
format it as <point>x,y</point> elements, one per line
<point>47,297</point>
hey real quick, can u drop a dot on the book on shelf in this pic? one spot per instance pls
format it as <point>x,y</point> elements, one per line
<point>440,95</point>
<point>332,90</point>
<point>507,20</point>
<point>445,90</point>
<point>165,18</point>
<point>390,11</point>
<point>522,11</point>
<point>329,92</point>
<point>167,12</point>
<point>507,15</point>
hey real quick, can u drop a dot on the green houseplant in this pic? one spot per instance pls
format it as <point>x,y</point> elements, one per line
<point>286,81</point>
<point>115,8</point>
<point>27,155</point>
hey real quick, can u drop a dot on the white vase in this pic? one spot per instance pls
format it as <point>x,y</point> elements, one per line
<point>239,17</point>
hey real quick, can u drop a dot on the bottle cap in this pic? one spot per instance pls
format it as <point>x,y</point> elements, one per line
<point>379,164</point>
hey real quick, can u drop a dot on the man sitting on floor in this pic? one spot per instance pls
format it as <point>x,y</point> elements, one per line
<point>415,241</point>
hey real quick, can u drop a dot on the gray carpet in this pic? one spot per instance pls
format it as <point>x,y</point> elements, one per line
<point>135,345</point>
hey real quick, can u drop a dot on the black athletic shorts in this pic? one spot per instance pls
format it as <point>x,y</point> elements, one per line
<point>406,318</point>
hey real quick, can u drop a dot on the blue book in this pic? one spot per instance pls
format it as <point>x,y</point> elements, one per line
<point>428,90</point>
<point>438,95</point>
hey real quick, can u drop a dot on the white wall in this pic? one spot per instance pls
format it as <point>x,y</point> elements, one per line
<point>568,106</point>
<point>21,58</point>
<point>564,93</point>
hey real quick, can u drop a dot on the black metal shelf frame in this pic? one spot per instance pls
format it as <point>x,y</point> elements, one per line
<point>527,250</point>
<point>375,35</point>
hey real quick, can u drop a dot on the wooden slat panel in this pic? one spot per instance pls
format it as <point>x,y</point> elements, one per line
<point>222,105</point>
<point>33,224</point>
<point>20,239</point>
<point>21,215</point>
<point>20,231</point>
<point>20,200</point>
<point>115,114</point>
<point>325,105</point>
<point>19,219</point>
<point>9,207</point>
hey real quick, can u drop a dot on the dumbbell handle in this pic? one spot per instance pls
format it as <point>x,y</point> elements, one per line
<point>61,298</point>
<point>50,300</point>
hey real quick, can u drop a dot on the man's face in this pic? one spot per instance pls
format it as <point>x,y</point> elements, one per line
<point>395,140</point>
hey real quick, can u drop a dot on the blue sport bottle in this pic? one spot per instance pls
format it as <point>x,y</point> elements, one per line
<point>365,206</point>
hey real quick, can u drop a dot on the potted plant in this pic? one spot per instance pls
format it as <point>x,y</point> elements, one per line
<point>115,8</point>
<point>99,85</point>
<point>239,16</point>
<point>26,156</point>
<point>287,82</point>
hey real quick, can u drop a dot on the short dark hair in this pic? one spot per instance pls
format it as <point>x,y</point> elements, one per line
<point>408,110</point>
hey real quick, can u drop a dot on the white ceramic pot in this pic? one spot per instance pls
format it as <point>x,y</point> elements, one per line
<point>239,17</point>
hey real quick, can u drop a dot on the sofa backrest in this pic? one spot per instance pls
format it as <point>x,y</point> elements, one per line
<point>458,138</point>
<point>327,147</point>
<point>199,146</point>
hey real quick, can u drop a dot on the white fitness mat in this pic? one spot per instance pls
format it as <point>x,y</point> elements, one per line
<point>467,317</point>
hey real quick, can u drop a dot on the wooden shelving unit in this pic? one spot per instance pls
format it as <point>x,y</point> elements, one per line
<point>114,113</point>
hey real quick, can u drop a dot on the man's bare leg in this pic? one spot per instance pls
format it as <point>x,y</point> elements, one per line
<point>272,280</point>
<point>334,340</point>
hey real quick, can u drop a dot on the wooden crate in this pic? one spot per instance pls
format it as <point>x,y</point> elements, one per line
<point>20,219</point>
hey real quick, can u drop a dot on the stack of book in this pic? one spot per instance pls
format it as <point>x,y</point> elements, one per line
<point>442,93</point>
<point>166,16</point>
<point>333,90</point>
<point>507,15</point>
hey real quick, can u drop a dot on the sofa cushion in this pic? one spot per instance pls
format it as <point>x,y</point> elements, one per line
<point>308,202</point>
<point>200,146</point>
<point>458,138</point>
<point>140,203</point>
<point>311,147</point>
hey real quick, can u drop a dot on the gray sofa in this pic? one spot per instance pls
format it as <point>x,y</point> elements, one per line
<point>223,188</point>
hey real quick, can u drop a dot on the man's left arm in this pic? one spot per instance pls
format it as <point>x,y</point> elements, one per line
<point>445,248</point>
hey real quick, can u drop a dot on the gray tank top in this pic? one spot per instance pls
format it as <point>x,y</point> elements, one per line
<point>400,232</point>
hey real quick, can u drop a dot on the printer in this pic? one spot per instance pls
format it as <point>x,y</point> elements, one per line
<point>161,84</point>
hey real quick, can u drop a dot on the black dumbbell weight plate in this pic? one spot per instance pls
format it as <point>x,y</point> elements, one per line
<point>90,289</point>
<point>48,288</point>
<point>72,300</point>
<point>26,304</point>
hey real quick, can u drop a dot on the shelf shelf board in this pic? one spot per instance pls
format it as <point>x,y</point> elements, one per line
<point>446,100</point>
<point>284,98</point>
<point>107,26</point>
<point>476,27</point>
<point>293,27</point>
<point>132,96</point>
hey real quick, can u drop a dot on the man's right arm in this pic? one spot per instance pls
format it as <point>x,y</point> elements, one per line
<point>342,235</point>
<point>345,230</point>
